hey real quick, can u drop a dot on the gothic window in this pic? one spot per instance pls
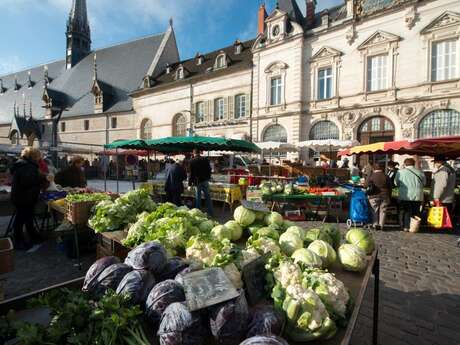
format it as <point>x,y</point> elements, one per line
<point>323,130</point>
<point>440,123</point>
<point>180,125</point>
<point>275,133</point>
<point>146,129</point>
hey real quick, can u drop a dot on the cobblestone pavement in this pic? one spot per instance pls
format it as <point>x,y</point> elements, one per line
<point>419,289</point>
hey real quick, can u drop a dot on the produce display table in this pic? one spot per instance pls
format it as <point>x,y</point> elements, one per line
<point>328,203</point>
<point>357,284</point>
<point>227,193</point>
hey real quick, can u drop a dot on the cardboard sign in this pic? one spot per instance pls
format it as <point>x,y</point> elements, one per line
<point>208,287</point>
<point>255,206</point>
<point>254,279</point>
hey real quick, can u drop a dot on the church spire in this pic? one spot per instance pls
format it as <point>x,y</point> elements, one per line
<point>78,34</point>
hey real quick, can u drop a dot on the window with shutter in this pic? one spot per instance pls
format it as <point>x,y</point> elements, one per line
<point>248,104</point>
<point>231,108</point>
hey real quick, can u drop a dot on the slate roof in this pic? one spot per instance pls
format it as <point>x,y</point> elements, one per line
<point>120,70</point>
<point>192,70</point>
<point>292,9</point>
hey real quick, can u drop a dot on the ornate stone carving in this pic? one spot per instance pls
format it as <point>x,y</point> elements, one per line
<point>377,110</point>
<point>350,35</point>
<point>411,17</point>
<point>446,19</point>
<point>407,133</point>
<point>407,111</point>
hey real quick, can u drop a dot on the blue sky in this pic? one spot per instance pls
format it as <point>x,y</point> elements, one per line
<point>32,31</point>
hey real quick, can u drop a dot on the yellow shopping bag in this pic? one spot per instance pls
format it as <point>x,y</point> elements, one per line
<point>438,218</point>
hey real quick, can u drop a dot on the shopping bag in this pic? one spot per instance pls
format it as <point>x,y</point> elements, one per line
<point>438,218</point>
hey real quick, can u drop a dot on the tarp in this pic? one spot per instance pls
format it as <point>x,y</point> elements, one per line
<point>327,144</point>
<point>276,146</point>
<point>446,146</point>
<point>171,145</point>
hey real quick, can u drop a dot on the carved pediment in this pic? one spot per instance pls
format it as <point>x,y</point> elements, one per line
<point>326,52</point>
<point>445,20</point>
<point>379,37</point>
<point>276,66</point>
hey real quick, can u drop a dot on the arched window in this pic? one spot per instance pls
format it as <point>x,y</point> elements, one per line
<point>14,137</point>
<point>275,133</point>
<point>324,130</point>
<point>146,129</point>
<point>179,126</point>
<point>180,73</point>
<point>440,123</point>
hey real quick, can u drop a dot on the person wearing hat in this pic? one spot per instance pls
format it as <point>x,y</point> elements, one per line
<point>443,184</point>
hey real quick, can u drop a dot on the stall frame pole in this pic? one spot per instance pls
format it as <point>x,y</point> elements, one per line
<point>105,167</point>
<point>375,326</point>
<point>118,174</point>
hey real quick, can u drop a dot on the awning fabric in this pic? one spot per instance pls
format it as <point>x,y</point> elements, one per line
<point>445,146</point>
<point>276,146</point>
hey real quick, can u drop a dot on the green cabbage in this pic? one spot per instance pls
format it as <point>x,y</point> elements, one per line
<point>325,251</point>
<point>221,232</point>
<point>274,218</point>
<point>268,232</point>
<point>244,216</point>
<point>334,233</point>
<point>352,257</point>
<point>290,242</point>
<point>207,225</point>
<point>298,231</point>
<point>318,234</point>
<point>235,229</point>
<point>361,238</point>
<point>307,258</point>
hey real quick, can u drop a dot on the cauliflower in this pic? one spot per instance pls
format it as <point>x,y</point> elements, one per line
<point>265,245</point>
<point>331,290</point>
<point>288,274</point>
<point>246,256</point>
<point>202,253</point>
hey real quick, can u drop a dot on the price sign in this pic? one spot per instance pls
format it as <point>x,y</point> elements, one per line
<point>207,287</point>
<point>255,206</point>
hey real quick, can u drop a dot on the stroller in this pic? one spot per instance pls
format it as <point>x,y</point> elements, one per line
<point>358,212</point>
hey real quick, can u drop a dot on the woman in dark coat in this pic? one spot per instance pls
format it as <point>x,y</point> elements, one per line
<point>73,176</point>
<point>174,186</point>
<point>27,182</point>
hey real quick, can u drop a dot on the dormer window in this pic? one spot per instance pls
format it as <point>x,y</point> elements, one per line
<point>238,47</point>
<point>168,69</point>
<point>180,73</point>
<point>221,61</point>
<point>199,59</point>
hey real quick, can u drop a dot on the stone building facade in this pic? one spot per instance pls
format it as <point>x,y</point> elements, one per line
<point>367,70</point>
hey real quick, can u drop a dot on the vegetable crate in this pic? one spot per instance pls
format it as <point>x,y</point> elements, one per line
<point>78,212</point>
<point>107,246</point>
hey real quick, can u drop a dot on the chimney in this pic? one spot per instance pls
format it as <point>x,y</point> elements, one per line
<point>261,19</point>
<point>310,13</point>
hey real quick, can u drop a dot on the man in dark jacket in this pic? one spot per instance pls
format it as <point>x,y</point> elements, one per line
<point>379,191</point>
<point>73,176</point>
<point>25,190</point>
<point>174,187</point>
<point>200,174</point>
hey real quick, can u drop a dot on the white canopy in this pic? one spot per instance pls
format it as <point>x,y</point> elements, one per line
<point>276,146</point>
<point>327,144</point>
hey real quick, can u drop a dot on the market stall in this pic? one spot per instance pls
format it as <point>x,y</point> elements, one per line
<point>254,277</point>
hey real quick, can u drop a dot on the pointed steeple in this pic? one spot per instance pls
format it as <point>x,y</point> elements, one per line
<point>78,33</point>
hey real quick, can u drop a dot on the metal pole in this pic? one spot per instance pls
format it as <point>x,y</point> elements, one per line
<point>375,326</point>
<point>116,167</point>
<point>105,166</point>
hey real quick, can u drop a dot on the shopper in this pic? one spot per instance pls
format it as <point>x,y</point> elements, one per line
<point>367,170</point>
<point>392,171</point>
<point>200,174</point>
<point>443,184</point>
<point>378,187</point>
<point>73,176</point>
<point>27,182</point>
<point>410,182</point>
<point>174,187</point>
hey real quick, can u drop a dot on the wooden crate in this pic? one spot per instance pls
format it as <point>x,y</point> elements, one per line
<point>109,244</point>
<point>78,213</point>
<point>6,256</point>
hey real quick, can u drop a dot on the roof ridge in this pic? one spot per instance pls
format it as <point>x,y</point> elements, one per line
<point>126,42</point>
<point>28,68</point>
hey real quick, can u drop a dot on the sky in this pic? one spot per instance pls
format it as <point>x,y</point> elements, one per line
<point>32,32</point>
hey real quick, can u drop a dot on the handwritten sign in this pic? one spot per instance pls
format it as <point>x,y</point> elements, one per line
<point>254,279</point>
<point>255,206</point>
<point>207,287</point>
